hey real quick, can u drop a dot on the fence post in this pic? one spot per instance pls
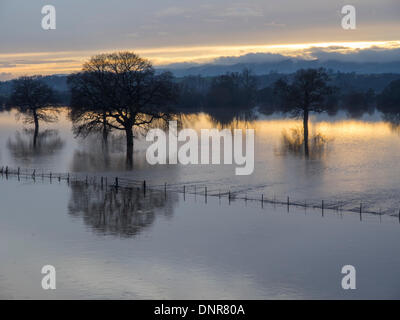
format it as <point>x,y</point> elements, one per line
<point>322,207</point>
<point>144,187</point>
<point>262,201</point>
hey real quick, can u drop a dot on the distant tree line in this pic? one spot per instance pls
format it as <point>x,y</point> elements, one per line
<point>123,92</point>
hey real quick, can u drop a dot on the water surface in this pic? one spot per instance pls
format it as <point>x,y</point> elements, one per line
<point>126,245</point>
<point>351,161</point>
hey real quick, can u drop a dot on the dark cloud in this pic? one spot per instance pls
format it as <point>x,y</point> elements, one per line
<point>366,55</point>
<point>251,58</point>
<point>322,54</point>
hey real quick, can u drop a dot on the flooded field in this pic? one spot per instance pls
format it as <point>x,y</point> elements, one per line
<point>105,245</point>
<point>108,243</point>
<point>351,161</point>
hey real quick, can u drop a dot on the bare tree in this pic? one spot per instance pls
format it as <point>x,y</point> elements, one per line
<point>35,100</point>
<point>308,92</point>
<point>129,95</point>
<point>90,97</point>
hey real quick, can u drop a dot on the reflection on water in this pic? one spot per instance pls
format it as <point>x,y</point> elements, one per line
<point>92,156</point>
<point>356,159</point>
<point>224,118</point>
<point>394,121</point>
<point>124,212</point>
<point>110,245</point>
<point>22,146</point>
<point>293,142</point>
<point>89,156</point>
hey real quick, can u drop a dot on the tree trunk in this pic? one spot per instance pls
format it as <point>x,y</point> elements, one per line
<point>105,133</point>
<point>305,127</point>
<point>36,132</point>
<point>129,146</point>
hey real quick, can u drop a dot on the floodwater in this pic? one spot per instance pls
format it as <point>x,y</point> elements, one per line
<point>351,161</point>
<point>130,245</point>
<point>126,245</point>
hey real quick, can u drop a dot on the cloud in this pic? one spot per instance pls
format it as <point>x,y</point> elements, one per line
<point>14,63</point>
<point>374,54</point>
<point>132,35</point>
<point>251,58</point>
<point>241,12</point>
<point>274,24</point>
<point>5,64</point>
<point>6,76</point>
<point>28,62</point>
<point>336,53</point>
<point>172,11</point>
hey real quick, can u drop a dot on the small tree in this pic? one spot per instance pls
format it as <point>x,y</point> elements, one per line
<point>308,92</point>
<point>35,100</point>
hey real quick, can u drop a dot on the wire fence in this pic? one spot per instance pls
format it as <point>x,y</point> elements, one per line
<point>185,189</point>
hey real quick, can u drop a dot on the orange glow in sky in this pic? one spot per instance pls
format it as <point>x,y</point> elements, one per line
<point>70,61</point>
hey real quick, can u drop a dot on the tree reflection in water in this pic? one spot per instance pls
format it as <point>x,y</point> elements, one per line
<point>91,156</point>
<point>293,143</point>
<point>226,118</point>
<point>22,146</point>
<point>123,212</point>
<point>393,119</point>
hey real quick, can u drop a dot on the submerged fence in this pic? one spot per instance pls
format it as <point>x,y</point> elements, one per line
<point>193,189</point>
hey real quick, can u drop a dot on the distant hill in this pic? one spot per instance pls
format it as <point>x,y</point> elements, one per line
<point>57,82</point>
<point>345,75</point>
<point>284,66</point>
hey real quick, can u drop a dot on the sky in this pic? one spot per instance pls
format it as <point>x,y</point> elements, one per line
<point>176,31</point>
